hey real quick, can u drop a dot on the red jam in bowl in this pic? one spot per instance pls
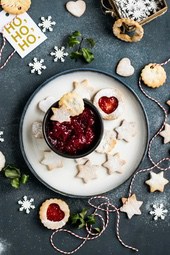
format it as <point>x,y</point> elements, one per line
<point>75,136</point>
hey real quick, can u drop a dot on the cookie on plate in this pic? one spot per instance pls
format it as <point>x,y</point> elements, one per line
<point>109,103</point>
<point>54,213</point>
<point>37,129</point>
<point>15,7</point>
<point>83,89</point>
<point>153,75</point>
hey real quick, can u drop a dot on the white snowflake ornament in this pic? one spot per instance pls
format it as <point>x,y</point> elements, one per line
<point>26,204</point>
<point>37,66</point>
<point>159,212</point>
<point>1,138</point>
<point>47,24</point>
<point>59,54</point>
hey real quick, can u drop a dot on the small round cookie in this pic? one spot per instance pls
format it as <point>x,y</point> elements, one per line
<point>109,103</point>
<point>54,213</point>
<point>73,102</point>
<point>15,7</point>
<point>153,75</point>
<point>128,24</point>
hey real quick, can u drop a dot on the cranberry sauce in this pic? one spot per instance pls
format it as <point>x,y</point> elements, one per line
<point>74,136</point>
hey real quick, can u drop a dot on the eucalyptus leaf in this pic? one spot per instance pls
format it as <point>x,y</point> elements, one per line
<point>15,183</point>
<point>12,172</point>
<point>91,42</point>
<point>88,55</point>
<point>76,33</point>
<point>24,178</point>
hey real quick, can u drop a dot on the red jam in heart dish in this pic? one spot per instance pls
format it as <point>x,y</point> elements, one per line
<point>73,136</point>
<point>108,104</point>
<point>54,213</point>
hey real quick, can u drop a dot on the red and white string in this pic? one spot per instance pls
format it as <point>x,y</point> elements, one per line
<point>109,207</point>
<point>2,48</point>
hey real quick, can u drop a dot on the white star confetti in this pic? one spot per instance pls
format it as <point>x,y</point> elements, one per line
<point>47,24</point>
<point>1,138</point>
<point>26,204</point>
<point>159,212</point>
<point>59,54</point>
<point>37,66</point>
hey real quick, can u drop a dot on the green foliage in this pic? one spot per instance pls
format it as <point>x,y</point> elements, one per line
<point>81,219</point>
<point>77,41</point>
<point>15,176</point>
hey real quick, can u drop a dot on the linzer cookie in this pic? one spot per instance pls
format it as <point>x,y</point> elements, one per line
<point>54,213</point>
<point>15,7</point>
<point>109,103</point>
<point>153,75</point>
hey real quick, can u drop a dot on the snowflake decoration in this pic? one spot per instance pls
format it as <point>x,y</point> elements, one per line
<point>37,66</point>
<point>26,204</point>
<point>138,9</point>
<point>159,212</point>
<point>59,54</point>
<point>47,24</point>
<point>1,138</point>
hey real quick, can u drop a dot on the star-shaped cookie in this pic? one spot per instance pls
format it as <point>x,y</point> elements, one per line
<point>157,182</point>
<point>87,171</point>
<point>114,163</point>
<point>108,142</point>
<point>166,133</point>
<point>131,206</point>
<point>51,160</point>
<point>126,130</point>
<point>83,89</point>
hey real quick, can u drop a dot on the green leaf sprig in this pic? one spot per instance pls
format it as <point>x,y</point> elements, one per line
<point>81,219</point>
<point>15,176</point>
<point>81,47</point>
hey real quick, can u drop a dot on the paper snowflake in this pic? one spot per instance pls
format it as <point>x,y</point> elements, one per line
<point>59,54</point>
<point>159,212</point>
<point>26,204</point>
<point>47,24</point>
<point>1,138</point>
<point>37,66</point>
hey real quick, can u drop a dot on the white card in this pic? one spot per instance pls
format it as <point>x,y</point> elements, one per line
<point>23,34</point>
<point>5,18</point>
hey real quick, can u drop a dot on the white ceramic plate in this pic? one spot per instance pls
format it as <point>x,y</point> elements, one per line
<point>63,180</point>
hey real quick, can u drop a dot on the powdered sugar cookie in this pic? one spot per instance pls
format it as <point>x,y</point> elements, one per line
<point>157,182</point>
<point>153,75</point>
<point>52,160</point>
<point>2,160</point>
<point>114,164</point>
<point>124,67</point>
<point>54,213</point>
<point>60,114</point>
<point>109,103</point>
<point>76,8</point>
<point>87,172</point>
<point>37,129</point>
<point>83,89</point>
<point>131,206</point>
<point>126,131</point>
<point>15,7</point>
<point>165,133</point>
<point>45,104</point>
<point>108,142</point>
<point>73,102</point>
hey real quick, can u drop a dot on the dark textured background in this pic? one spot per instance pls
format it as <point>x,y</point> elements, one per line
<point>23,234</point>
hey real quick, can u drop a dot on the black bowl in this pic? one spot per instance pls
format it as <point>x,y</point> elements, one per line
<point>98,131</point>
